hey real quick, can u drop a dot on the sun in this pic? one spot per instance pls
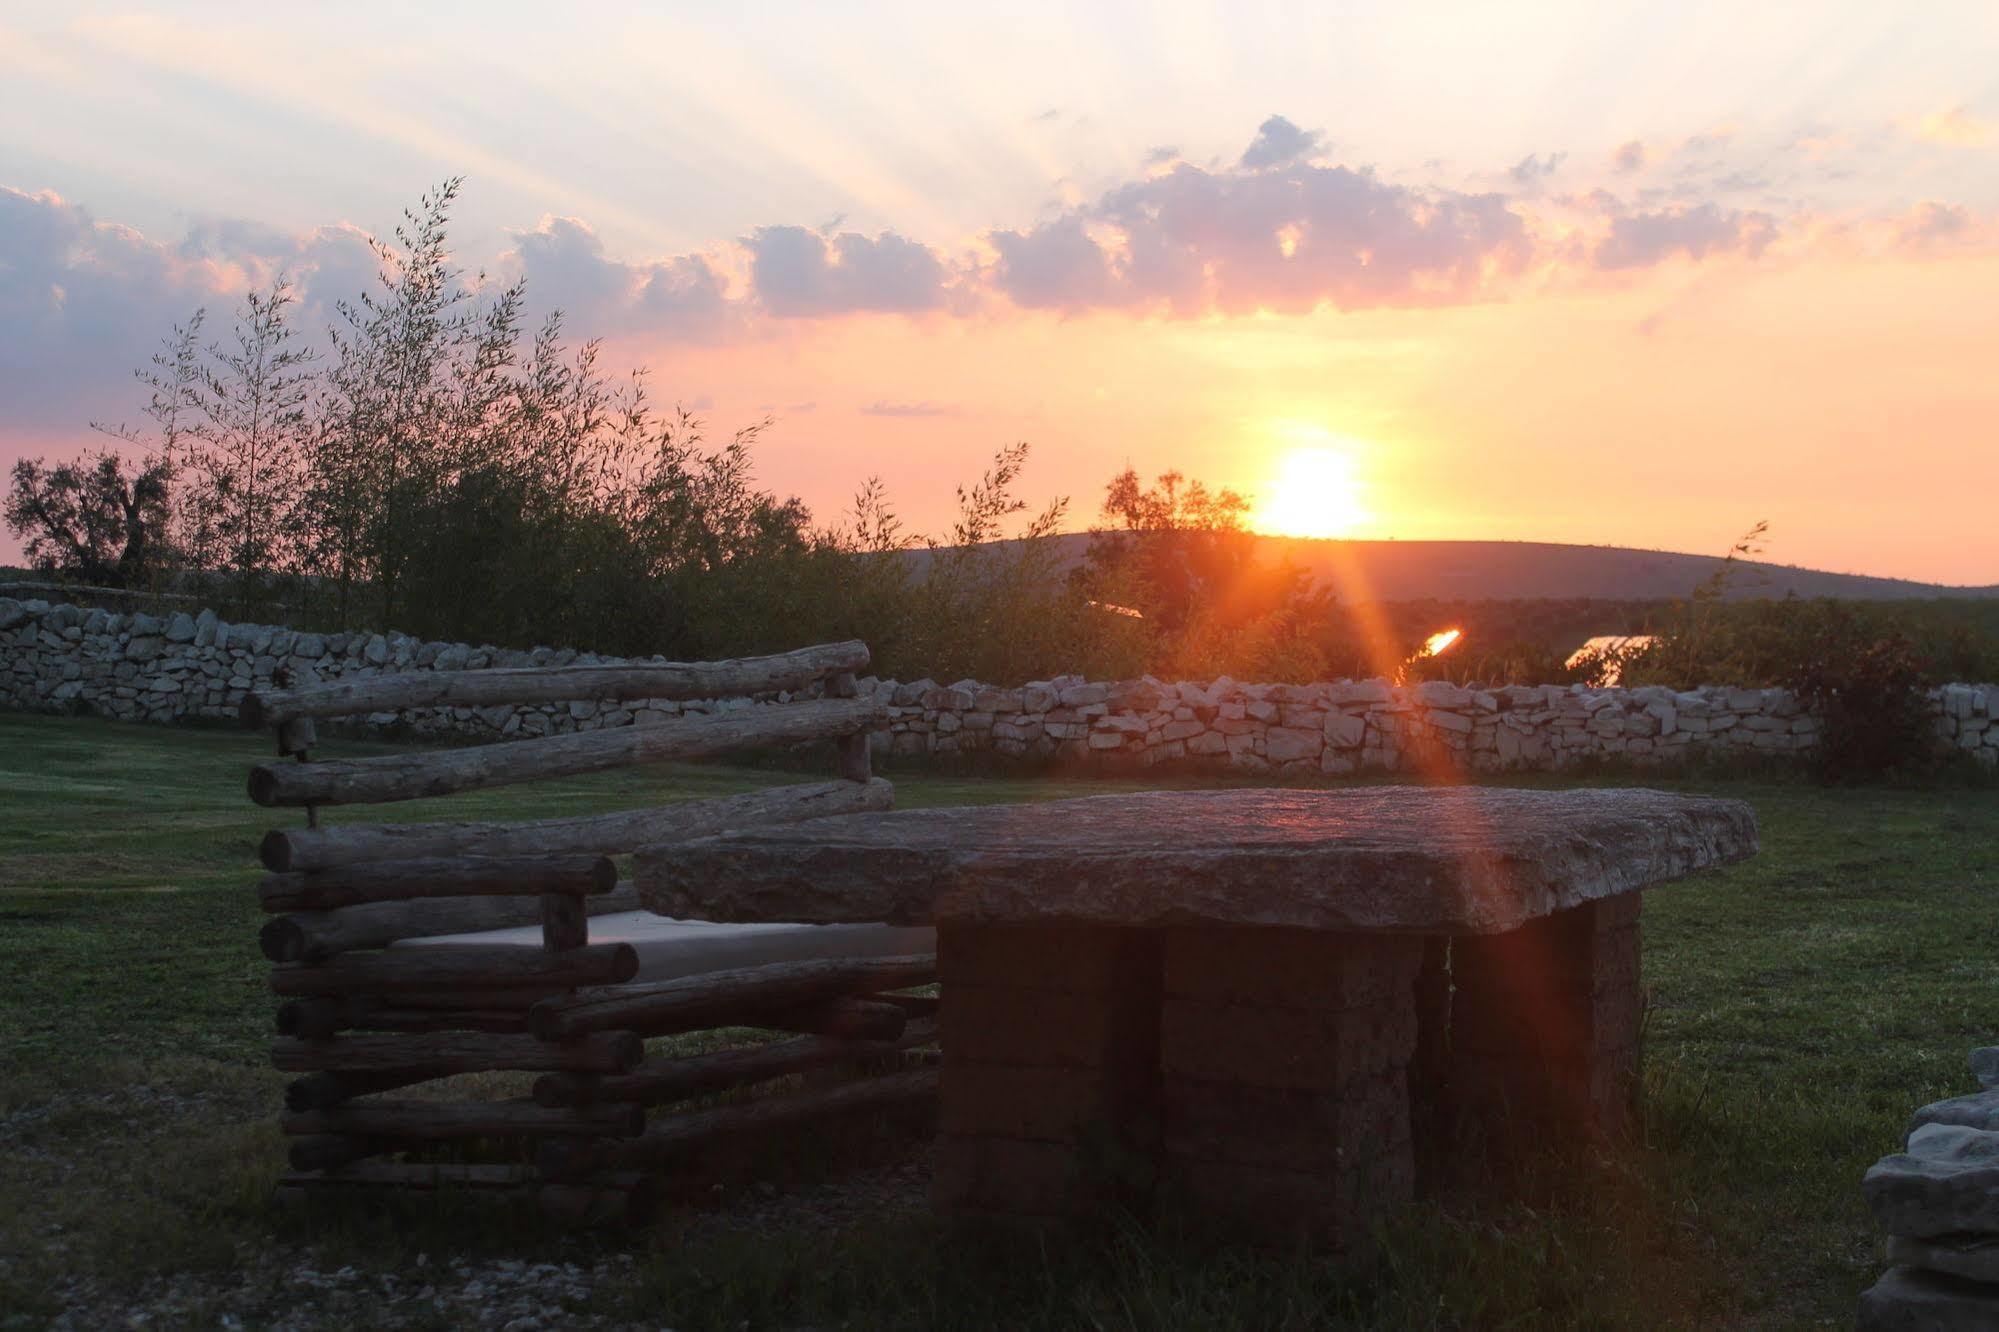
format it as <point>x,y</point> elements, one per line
<point>1315,492</point>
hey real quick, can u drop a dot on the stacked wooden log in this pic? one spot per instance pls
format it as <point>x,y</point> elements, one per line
<point>364,1021</point>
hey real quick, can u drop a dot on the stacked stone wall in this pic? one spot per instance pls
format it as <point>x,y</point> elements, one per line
<point>139,667</point>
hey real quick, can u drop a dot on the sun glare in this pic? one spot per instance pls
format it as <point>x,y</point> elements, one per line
<point>1315,492</point>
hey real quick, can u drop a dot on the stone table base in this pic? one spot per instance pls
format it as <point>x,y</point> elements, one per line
<point>1261,1078</point>
<point>1545,1025</point>
<point>1285,1100</point>
<point>1256,1077</point>
<point>1048,1102</point>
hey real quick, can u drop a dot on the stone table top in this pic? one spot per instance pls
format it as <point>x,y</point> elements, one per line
<point>1402,859</point>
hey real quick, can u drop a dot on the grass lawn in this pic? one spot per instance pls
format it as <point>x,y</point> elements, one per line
<point>1801,1005</point>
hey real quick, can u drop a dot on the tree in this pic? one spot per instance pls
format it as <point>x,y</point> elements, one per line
<point>94,519</point>
<point>420,371</point>
<point>244,453</point>
<point>1182,556</point>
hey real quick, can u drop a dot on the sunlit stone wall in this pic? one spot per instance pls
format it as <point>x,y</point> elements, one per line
<point>138,667</point>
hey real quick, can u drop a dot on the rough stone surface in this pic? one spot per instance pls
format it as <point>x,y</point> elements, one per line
<point>1544,1026</point>
<point>1947,1183</point>
<point>1461,860</point>
<point>1050,1042</point>
<point>1974,1257</point>
<point>1907,1300</point>
<point>1980,1110</point>
<point>1284,1100</point>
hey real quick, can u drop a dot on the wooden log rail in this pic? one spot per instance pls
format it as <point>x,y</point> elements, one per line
<point>316,1091</point>
<point>450,969</point>
<point>659,1081</point>
<point>418,1175</point>
<point>445,1054</point>
<point>722,997</point>
<point>316,1018</point>
<point>852,1019</point>
<point>466,1119</point>
<point>414,776</point>
<point>311,849</point>
<point>310,935</point>
<point>675,1137</point>
<point>437,876</point>
<point>360,1019</point>
<point>555,684</point>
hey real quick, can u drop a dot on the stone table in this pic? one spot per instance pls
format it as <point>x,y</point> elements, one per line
<point>1223,991</point>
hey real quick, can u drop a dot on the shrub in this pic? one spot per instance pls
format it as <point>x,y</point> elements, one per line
<point>1868,694</point>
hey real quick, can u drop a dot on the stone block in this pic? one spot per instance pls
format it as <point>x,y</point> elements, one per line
<point>1946,1183</point>
<point>1906,1299</point>
<point>1067,960</point>
<point>1545,1022</point>
<point>1284,1208</point>
<point>1040,1104</point>
<point>1255,1046</point>
<point>1283,968</point>
<point>1284,743</point>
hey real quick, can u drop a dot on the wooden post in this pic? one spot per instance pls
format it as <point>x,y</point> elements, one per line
<point>851,751</point>
<point>565,923</point>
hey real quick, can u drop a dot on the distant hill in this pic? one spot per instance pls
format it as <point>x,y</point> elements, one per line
<point>1519,570</point>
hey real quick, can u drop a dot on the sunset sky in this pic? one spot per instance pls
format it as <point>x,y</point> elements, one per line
<point>1589,272</point>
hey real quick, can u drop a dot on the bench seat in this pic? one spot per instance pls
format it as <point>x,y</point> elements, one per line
<point>669,949</point>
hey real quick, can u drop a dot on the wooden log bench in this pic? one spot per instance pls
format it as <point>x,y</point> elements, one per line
<point>409,952</point>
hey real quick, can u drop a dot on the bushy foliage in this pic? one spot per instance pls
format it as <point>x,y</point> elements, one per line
<point>1868,694</point>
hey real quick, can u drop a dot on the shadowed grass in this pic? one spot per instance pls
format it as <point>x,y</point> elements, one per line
<point>1801,1005</point>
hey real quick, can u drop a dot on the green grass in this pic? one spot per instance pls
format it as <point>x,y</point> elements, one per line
<point>1801,1005</point>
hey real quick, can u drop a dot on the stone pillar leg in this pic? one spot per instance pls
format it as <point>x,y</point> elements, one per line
<point>1048,1104</point>
<point>1544,1025</point>
<point>1284,1058</point>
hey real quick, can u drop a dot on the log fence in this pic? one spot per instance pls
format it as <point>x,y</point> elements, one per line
<point>371,1015</point>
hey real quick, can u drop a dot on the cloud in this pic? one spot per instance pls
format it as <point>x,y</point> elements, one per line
<point>1954,126</point>
<point>1055,266</point>
<point>1192,242</point>
<point>1931,226</point>
<point>795,272</point>
<point>83,302</point>
<point>909,409</point>
<point>1530,170</point>
<point>1278,142</point>
<point>1637,240</point>
<point>564,265</point>
<point>1161,155</point>
<point>1281,230</point>
<point>1630,156</point>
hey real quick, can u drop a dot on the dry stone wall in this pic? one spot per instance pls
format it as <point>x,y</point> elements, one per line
<point>139,667</point>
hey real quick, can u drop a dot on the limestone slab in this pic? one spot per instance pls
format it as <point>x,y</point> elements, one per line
<point>1908,1300</point>
<point>1980,1110</point>
<point>1947,1183</point>
<point>1973,1257</point>
<point>1459,860</point>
